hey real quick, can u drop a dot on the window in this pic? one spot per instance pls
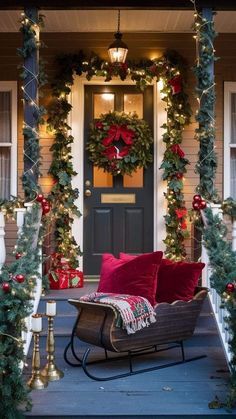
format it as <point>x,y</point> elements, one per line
<point>8,139</point>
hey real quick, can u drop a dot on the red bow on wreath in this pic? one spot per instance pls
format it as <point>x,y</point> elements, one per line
<point>116,132</point>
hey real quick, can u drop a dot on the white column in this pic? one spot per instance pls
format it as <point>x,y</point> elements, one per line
<point>20,215</point>
<point>234,235</point>
<point>2,240</point>
<point>217,210</point>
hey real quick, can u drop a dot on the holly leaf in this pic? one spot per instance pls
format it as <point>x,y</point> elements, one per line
<point>64,179</point>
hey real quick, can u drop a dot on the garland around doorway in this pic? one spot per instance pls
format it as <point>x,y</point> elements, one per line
<point>168,69</point>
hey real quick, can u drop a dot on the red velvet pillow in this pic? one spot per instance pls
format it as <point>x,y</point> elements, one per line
<point>134,277</point>
<point>176,280</point>
<point>109,265</point>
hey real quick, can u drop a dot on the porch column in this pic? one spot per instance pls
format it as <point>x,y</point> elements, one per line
<point>31,109</point>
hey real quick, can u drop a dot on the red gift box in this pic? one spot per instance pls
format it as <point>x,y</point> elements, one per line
<point>66,278</point>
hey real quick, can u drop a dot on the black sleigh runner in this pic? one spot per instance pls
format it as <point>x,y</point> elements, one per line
<point>97,324</point>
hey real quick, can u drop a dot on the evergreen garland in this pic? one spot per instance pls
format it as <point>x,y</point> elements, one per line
<point>63,195</point>
<point>205,133</point>
<point>17,283</point>
<point>174,165</point>
<point>168,68</point>
<point>222,261</point>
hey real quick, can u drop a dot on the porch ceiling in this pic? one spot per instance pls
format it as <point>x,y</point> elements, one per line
<point>106,21</point>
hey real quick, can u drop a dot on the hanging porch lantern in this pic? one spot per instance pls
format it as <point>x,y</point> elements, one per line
<point>118,49</point>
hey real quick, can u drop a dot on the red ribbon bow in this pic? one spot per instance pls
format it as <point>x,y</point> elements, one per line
<point>116,132</point>
<point>176,84</point>
<point>175,148</point>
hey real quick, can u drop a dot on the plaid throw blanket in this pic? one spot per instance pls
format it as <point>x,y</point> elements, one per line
<point>135,312</point>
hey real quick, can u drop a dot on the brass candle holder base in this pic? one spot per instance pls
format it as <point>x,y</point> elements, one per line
<point>36,381</point>
<point>50,371</point>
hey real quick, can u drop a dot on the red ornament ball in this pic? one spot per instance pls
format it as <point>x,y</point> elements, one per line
<point>202,204</point>
<point>196,205</point>
<point>18,255</point>
<point>6,287</point>
<point>230,287</point>
<point>197,198</point>
<point>44,202</point>
<point>39,197</point>
<point>19,278</point>
<point>46,209</point>
<point>179,175</point>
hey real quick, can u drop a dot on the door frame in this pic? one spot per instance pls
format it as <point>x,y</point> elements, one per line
<point>76,121</point>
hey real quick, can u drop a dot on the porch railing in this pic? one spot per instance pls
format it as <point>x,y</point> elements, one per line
<point>20,215</point>
<point>215,300</point>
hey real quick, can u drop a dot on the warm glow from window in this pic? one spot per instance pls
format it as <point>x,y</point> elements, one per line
<point>107,96</point>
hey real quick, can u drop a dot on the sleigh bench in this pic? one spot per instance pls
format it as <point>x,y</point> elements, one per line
<point>96,325</point>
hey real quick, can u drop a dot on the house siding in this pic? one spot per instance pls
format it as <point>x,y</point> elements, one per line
<point>141,45</point>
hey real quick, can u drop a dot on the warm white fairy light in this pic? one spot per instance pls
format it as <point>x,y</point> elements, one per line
<point>27,97</point>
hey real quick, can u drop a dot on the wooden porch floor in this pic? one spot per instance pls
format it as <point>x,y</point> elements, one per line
<point>182,391</point>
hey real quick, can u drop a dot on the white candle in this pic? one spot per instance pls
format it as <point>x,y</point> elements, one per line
<point>51,308</point>
<point>36,322</point>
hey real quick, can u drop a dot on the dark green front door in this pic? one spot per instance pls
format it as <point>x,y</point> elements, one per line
<point>110,224</point>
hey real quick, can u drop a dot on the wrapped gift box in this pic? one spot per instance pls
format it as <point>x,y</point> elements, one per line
<point>66,278</point>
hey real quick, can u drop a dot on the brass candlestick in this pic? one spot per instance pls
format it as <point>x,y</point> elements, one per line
<point>50,371</point>
<point>36,382</point>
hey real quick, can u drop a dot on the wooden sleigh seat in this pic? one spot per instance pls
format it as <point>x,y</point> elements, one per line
<point>96,325</point>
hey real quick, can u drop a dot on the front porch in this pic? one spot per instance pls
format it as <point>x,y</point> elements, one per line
<point>179,391</point>
<point>182,391</point>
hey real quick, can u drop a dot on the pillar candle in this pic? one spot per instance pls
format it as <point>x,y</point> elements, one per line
<point>51,308</point>
<point>36,322</point>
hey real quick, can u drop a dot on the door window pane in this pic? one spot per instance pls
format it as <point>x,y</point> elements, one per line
<point>102,179</point>
<point>5,170</point>
<point>5,117</point>
<point>103,103</point>
<point>135,180</point>
<point>134,103</point>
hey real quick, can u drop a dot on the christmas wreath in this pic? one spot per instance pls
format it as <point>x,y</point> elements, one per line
<point>120,143</point>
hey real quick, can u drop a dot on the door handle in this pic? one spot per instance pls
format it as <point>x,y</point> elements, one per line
<point>88,193</point>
